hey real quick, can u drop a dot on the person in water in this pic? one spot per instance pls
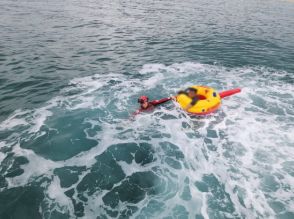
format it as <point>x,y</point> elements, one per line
<point>192,94</point>
<point>147,106</point>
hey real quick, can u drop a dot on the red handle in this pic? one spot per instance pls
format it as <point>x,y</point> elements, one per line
<point>229,92</point>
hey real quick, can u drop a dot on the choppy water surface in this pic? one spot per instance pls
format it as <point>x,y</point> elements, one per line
<point>70,75</point>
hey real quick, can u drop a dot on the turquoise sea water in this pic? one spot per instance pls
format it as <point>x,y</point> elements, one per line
<point>70,76</point>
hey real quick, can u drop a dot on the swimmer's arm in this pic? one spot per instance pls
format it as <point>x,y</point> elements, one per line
<point>133,115</point>
<point>173,98</point>
<point>193,102</point>
<point>188,107</point>
<point>163,100</point>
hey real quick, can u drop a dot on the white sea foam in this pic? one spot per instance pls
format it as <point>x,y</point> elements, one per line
<point>37,166</point>
<point>14,120</point>
<point>253,136</point>
<point>56,193</point>
<point>2,155</point>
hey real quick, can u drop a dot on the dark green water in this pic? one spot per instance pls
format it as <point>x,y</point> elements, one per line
<point>70,75</point>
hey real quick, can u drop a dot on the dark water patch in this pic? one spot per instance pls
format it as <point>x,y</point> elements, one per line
<point>3,81</point>
<point>142,153</point>
<point>78,208</point>
<point>211,133</point>
<point>240,192</point>
<point>68,175</point>
<point>277,206</point>
<point>19,85</point>
<point>29,95</point>
<point>199,216</point>
<point>152,209</point>
<point>11,165</point>
<point>264,157</point>
<point>15,169</point>
<point>233,149</point>
<point>21,202</point>
<point>103,59</point>
<point>210,145</point>
<point>103,175</point>
<point>69,193</point>
<point>102,216</point>
<point>179,211</point>
<point>186,194</point>
<point>201,186</point>
<point>66,141</point>
<point>3,183</point>
<point>173,163</point>
<point>14,62</point>
<point>133,189</point>
<point>128,212</point>
<point>110,213</point>
<point>288,167</point>
<point>57,215</point>
<point>123,152</point>
<point>17,68</point>
<point>218,200</point>
<point>171,150</point>
<point>145,154</point>
<point>55,67</point>
<point>5,135</point>
<point>2,59</point>
<point>286,215</point>
<point>43,85</point>
<point>269,183</point>
<point>3,98</point>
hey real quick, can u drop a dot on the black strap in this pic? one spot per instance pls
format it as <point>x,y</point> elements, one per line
<point>194,101</point>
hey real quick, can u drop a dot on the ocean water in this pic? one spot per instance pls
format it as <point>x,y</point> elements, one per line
<point>70,76</point>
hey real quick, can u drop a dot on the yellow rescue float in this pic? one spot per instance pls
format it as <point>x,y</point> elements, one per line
<point>209,100</point>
